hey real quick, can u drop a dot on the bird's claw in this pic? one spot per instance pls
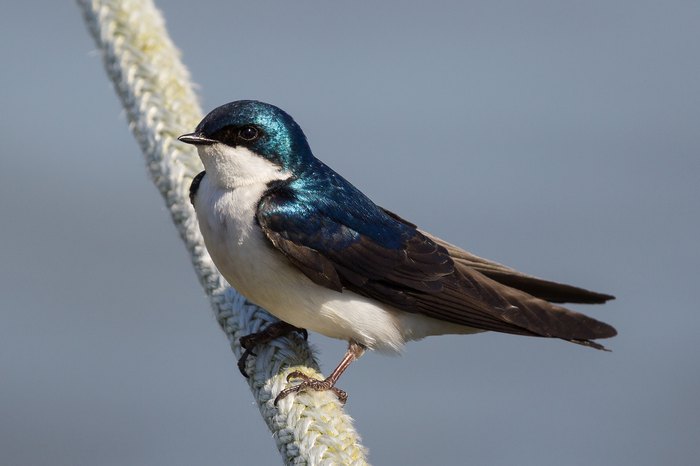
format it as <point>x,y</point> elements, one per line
<point>269,333</point>
<point>309,383</point>
<point>242,360</point>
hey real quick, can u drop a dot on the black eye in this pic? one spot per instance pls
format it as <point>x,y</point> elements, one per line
<point>248,133</point>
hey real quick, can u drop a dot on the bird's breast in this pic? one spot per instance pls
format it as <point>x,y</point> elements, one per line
<point>227,219</point>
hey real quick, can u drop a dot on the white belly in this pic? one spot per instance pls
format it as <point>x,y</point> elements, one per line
<point>265,277</point>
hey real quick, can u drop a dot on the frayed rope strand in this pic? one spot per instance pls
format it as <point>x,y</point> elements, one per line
<point>155,89</point>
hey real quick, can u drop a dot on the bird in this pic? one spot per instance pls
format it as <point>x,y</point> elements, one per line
<point>297,239</point>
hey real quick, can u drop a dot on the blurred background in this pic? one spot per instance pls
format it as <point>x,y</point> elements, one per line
<point>561,138</point>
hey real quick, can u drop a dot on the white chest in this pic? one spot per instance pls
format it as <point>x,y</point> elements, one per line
<point>233,239</point>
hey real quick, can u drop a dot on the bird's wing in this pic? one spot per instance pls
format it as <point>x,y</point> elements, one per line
<point>545,289</point>
<point>356,245</point>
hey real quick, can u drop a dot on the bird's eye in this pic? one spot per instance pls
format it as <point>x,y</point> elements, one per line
<point>248,133</point>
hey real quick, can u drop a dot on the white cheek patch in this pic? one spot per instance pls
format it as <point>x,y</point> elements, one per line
<point>233,167</point>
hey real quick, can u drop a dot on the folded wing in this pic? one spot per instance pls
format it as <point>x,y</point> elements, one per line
<point>353,244</point>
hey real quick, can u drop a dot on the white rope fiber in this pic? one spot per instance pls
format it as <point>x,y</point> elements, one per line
<point>155,90</point>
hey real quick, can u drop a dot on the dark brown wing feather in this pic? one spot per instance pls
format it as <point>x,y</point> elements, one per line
<point>308,260</point>
<point>544,289</point>
<point>425,275</point>
<point>467,297</point>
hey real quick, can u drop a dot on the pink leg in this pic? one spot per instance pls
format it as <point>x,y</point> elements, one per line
<point>355,350</point>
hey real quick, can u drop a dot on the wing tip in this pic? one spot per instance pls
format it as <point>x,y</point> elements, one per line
<point>601,297</point>
<point>602,330</point>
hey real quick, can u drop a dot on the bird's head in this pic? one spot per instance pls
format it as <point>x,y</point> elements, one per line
<point>247,141</point>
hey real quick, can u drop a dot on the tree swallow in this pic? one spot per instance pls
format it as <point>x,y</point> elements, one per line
<point>296,238</point>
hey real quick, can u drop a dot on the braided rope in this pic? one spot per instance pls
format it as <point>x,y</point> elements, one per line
<point>155,90</point>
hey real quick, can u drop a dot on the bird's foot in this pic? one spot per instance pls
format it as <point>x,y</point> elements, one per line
<point>269,333</point>
<point>309,383</point>
<point>354,351</point>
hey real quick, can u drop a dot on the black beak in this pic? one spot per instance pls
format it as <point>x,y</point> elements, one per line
<point>196,139</point>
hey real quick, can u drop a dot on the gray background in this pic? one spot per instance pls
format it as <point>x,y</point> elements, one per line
<point>557,137</point>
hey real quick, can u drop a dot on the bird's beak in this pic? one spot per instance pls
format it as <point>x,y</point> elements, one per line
<point>196,139</point>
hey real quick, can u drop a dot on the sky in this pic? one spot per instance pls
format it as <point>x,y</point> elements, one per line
<point>558,137</point>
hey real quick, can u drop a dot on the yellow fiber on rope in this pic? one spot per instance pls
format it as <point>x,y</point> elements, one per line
<point>156,92</point>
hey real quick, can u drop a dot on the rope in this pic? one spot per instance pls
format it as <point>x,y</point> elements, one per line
<point>155,90</point>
